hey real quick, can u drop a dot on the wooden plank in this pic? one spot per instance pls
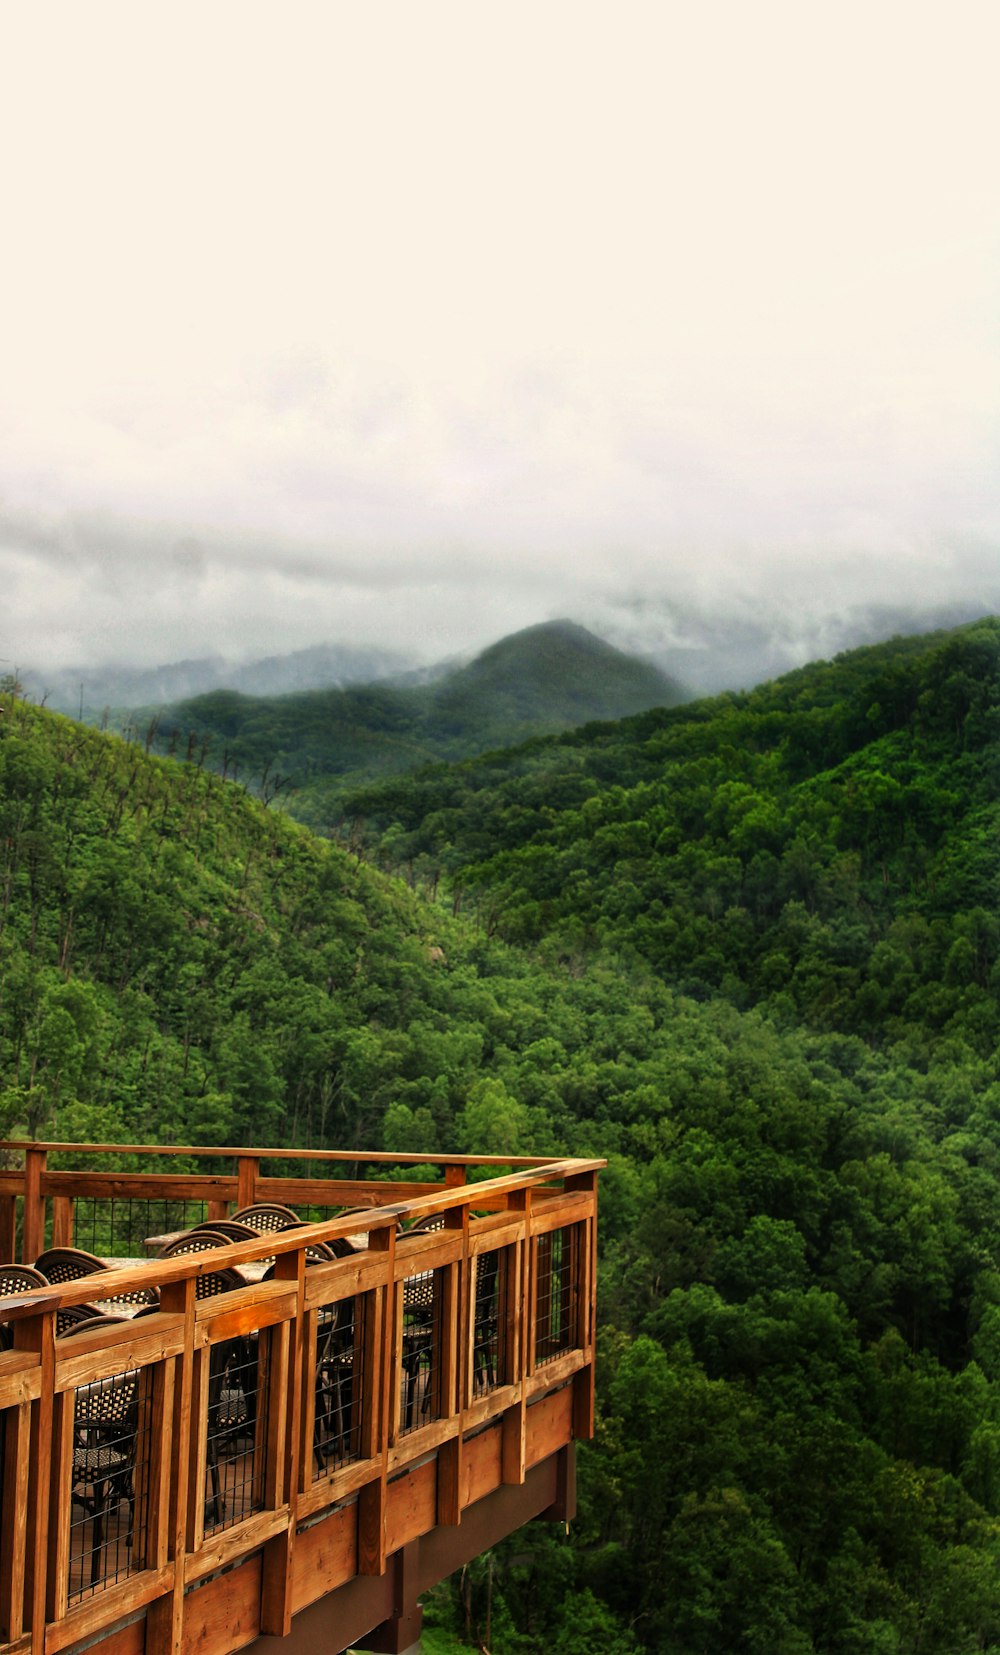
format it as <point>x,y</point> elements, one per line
<point>411,1505</point>
<point>549,1425</point>
<point>359,1157</point>
<point>139,1186</point>
<point>20,1377</point>
<point>232,1315</point>
<point>415,1254</point>
<point>227,1546</point>
<point>483,1467</point>
<point>329,1283</point>
<point>416,1445</point>
<point>224,1613</point>
<point>326,1557</point>
<point>88,1619</point>
<point>61,1491</point>
<point>484,1408</point>
<point>554,1213</point>
<point>498,1230</point>
<point>336,1486</point>
<point>556,1372</point>
<point>110,1350</point>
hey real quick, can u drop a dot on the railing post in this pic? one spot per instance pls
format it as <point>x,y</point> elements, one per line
<point>165,1616</point>
<point>62,1221</point>
<point>285,1447</point>
<point>380,1376</point>
<point>8,1227</point>
<point>34,1204</point>
<point>38,1334</point>
<point>454,1365</point>
<point>247,1173</point>
<point>585,1271</point>
<point>514,1422</point>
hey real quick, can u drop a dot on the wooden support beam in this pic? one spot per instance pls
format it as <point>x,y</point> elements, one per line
<point>247,1174</point>
<point>33,1229</point>
<point>381,1376</point>
<point>285,1444</point>
<point>62,1221</point>
<point>165,1617</point>
<point>39,1335</point>
<point>8,1227</point>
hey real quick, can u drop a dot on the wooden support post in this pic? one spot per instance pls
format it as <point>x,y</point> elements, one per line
<point>585,1272</point>
<point>402,1631</point>
<point>8,1227</point>
<point>381,1374</point>
<point>39,1334</point>
<point>165,1616</point>
<point>16,1481</point>
<point>247,1173</point>
<point>454,1177</point>
<point>513,1440</point>
<point>33,1229</point>
<point>285,1446</point>
<point>62,1221</point>
<point>453,1327</point>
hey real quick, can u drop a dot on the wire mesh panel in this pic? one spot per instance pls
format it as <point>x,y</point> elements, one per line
<point>555,1332</point>
<point>112,1441</point>
<point>118,1227</point>
<point>340,1339</point>
<point>489,1356</point>
<point>420,1356</point>
<point>237,1430</point>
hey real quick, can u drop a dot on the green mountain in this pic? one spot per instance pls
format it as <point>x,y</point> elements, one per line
<point>546,678</point>
<point>825,846</point>
<point>746,949</point>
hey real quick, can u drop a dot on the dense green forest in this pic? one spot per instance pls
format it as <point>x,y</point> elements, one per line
<point>746,950</point>
<point>546,678</point>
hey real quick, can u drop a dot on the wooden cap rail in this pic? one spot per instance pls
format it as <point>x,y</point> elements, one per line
<point>368,1400</point>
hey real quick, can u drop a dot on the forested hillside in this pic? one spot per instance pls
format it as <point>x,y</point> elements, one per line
<point>744,949</point>
<point>546,678</point>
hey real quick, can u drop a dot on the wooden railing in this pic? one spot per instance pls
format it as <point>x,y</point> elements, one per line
<point>293,1437</point>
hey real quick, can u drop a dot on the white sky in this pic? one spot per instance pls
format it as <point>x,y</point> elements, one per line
<point>414,323</point>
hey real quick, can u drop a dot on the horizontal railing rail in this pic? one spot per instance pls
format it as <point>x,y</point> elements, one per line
<point>147,1456</point>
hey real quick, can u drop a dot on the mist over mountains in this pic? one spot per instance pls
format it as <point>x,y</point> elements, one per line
<point>705,649</point>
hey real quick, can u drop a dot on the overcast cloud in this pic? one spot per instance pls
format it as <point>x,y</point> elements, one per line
<point>414,324</point>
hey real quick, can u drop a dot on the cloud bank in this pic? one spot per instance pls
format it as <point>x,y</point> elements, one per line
<point>416,328</point>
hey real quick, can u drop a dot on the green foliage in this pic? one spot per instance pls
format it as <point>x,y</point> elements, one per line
<point>749,951</point>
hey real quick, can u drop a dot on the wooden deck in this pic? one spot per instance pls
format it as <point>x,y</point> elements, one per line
<point>292,1461</point>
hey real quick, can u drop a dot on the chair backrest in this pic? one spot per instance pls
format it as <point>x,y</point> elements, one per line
<point>233,1229</point>
<point>322,1251</point>
<point>421,1226</point>
<point>97,1318</point>
<point>217,1281</point>
<point>18,1278</point>
<point>266,1215</point>
<point>73,1316</point>
<point>68,1264</point>
<point>194,1241</point>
